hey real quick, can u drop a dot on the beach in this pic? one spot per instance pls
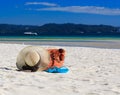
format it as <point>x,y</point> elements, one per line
<point>109,44</point>
<point>93,70</point>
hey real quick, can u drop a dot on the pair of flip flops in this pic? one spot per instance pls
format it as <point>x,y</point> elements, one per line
<point>57,70</point>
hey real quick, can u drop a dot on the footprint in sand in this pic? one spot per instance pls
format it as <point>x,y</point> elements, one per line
<point>116,89</point>
<point>92,94</point>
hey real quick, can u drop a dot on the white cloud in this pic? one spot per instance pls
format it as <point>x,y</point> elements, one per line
<point>41,3</point>
<point>84,9</point>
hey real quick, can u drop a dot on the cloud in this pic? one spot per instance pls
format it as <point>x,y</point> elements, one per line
<point>41,3</point>
<point>84,9</point>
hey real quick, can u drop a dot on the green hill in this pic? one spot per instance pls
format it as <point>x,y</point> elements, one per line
<point>53,29</point>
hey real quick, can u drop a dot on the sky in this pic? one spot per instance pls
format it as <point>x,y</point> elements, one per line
<point>39,12</point>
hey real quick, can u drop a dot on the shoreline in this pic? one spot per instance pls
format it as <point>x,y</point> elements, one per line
<point>108,44</point>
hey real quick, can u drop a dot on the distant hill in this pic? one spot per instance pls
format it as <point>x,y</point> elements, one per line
<point>53,29</point>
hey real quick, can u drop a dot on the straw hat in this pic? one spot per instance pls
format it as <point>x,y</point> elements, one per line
<point>33,58</point>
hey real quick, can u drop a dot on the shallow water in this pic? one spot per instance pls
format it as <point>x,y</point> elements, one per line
<point>57,38</point>
<point>76,41</point>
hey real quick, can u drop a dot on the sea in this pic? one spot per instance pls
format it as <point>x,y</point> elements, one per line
<point>58,38</point>
<point>111,42</point>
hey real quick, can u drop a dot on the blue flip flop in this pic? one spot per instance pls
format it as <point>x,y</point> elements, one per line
<point>57,70</point>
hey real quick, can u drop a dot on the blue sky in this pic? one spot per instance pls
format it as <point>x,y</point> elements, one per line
<point>39,12</point>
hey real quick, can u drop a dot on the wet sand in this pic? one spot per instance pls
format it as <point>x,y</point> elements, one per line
<point>109,44</point>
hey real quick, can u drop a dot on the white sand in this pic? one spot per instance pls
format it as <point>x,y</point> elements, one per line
<point>93,71</point>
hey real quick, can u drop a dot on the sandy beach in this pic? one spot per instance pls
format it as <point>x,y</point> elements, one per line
<point>92,71</point>
<point>110,44</point>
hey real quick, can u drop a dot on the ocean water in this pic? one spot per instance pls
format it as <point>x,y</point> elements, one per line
<point>57,38</point>
<point>79,41</point>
